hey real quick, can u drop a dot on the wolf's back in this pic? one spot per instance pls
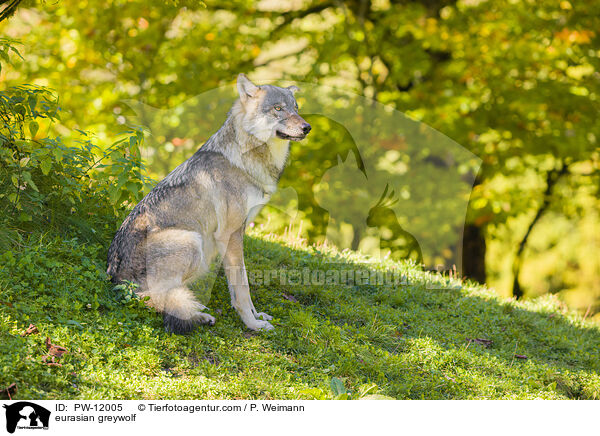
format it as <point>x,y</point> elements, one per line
<point>124,253</point>
<point>126,257</point>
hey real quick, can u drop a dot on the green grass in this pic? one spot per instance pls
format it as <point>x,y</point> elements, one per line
<point>348,340</point>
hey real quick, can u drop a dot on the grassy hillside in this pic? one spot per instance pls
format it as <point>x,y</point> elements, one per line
<point>348,340</point>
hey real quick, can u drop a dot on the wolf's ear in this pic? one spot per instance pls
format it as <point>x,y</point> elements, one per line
<point>293,88</point>
<point>245,87</point>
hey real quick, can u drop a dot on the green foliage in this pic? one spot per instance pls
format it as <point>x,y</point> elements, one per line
<point>45,183</point>
<point>7,46</point>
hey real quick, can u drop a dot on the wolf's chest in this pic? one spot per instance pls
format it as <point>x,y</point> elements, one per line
<point>279,149</point>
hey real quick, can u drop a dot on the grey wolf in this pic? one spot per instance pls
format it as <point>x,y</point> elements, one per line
<point>200,210</point>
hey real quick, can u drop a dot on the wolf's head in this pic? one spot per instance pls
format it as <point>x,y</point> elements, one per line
<point>269,111</point>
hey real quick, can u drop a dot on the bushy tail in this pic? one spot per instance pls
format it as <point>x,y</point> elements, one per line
<point>181,312</point>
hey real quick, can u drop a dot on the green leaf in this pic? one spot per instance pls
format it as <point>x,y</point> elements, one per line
<point>32,100</point>
<point>75,323</point>
<point>58,154</point>
<point>4,56</point>
<point>133,188</point>
<point>24,217</point>
<point>20,109</point>
<point>314,393</point>
<point>27,178</point>
<point>33,128</point>
<point>376,397</point>
<point>114,193</point>
<point>46,165</point>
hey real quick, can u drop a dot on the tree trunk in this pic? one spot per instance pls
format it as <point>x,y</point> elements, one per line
<point>473,253</point>
<point>552,178</point>
<point>474,248</point>
<point>356,236</point>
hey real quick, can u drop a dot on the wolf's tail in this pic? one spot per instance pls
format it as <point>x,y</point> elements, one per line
<point>181,311</point>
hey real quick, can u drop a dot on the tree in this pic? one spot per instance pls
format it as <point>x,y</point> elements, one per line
<point>516,86</point>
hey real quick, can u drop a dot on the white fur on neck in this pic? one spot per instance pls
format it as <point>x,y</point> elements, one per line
<point>247,140</point>
<point>280,149</point>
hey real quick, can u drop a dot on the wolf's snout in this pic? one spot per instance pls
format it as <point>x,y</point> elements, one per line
<point>306,128</point>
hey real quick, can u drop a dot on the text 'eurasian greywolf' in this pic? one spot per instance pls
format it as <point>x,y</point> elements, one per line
<point>202,207</point>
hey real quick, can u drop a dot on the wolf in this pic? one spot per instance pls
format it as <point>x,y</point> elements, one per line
<point>200,210</point>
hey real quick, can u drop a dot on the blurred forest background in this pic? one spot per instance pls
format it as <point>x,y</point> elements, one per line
<point>514,83</point>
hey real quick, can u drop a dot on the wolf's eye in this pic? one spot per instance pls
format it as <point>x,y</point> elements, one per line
<point>277,108</point>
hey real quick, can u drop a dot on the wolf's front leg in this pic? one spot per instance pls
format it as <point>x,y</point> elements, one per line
<point>237,280</point>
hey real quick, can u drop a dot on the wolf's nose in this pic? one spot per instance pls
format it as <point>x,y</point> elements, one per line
<point>306,128</point>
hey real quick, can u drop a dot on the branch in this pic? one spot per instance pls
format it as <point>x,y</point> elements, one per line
<point>283,56</point>
<point>552,178</point>
<point>10,8</point>
<point>288,17</point>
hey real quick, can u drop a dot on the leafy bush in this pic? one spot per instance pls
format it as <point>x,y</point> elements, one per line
<point>45,183</point>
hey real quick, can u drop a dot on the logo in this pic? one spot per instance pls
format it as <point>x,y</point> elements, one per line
<point>26,415</point>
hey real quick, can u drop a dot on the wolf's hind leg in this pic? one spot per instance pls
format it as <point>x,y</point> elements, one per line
<point>172,258</point>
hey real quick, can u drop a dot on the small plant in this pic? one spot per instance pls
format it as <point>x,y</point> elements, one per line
<point>125,293</point>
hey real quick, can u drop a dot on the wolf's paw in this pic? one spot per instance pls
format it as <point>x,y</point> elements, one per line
<point>260,325</point>
<point>205,318</point>
<point>262,315</point>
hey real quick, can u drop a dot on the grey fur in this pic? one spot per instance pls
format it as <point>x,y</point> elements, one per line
<point>201,209</point>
